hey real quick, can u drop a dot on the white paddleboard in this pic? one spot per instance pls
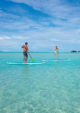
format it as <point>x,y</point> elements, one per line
<point>55,60</point>
<point>23,63</point>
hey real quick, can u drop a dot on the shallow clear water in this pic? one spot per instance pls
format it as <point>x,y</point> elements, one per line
<point>51,87</point>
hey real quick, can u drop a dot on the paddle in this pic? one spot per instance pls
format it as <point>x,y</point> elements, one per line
<point>31,57</point>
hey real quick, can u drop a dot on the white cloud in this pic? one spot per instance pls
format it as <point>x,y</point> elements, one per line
<point>61,27</point>
<point>52,7</point>
<point>62,14</point>
<point>4,38</point>
<point>7,15</point>
<point>15,22</point>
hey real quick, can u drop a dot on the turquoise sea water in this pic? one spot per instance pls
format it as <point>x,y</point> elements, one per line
<point>51,87</point>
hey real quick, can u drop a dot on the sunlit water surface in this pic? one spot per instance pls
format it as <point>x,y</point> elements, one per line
<point>50,87</point>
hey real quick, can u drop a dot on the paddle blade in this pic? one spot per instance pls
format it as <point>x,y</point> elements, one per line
<point>32,60</point>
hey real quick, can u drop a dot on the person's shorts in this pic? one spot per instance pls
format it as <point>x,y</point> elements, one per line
<point>25,54</point>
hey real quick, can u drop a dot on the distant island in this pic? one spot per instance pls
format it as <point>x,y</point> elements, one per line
<point>74,51</point>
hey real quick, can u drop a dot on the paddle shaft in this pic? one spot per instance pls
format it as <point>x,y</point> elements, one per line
<point>30,55</point>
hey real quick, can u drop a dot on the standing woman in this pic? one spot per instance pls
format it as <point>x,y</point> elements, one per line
<point>56,51</point>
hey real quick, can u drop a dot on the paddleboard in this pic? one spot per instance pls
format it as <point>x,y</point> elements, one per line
<point>23,63</point>
<point>55,60</point>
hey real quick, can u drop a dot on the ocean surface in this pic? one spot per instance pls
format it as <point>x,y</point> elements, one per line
<point>49,87</point>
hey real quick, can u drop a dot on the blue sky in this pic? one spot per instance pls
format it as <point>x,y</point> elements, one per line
<point>43,24</point>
